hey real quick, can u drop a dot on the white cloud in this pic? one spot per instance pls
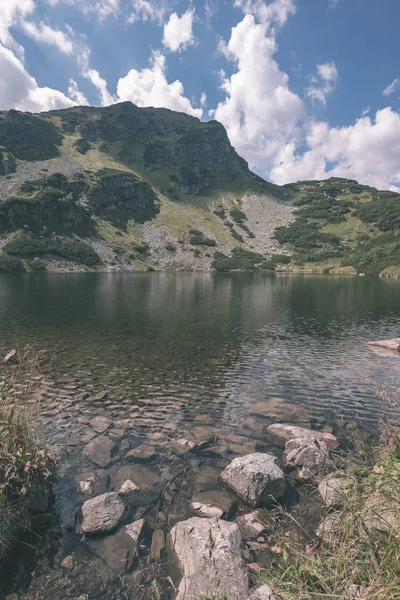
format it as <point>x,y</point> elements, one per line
<point>203,99</point>
<point>149,87</point>
<point>390,89</point>
<point>324,82</point>
<point>149,10</point>
<point>19,90</point>
<point>274,13</point>
<point>101,85</point>
<point>333,3</point>
<point>76,95</point>
<point>178,32</point>
<point>101,8</point>
<point>367,151</point>
<point>260,112</point>
<point>44,34</point>
<point>11,11</point>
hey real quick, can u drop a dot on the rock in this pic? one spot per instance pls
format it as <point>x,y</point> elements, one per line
<point>128,488</point>
<point>205,559</point>
<point>307,460</point>
<point>99,451</point>
<point>200,438</point>
<point>282,433</point>
<point>88,436</point>
<point>116,434</point>
<point>157,544</point>
<point>253,524</point>
<point>149,489</point>
<point>329,526</point>
<point>333,489</point>
<point>142,453</point>
<point>100,396</point>
<point>100,424</point>
<point>12,597</point>
<point>207,478</point>
<point>256,479</point>
<point>393,345</point>
<point>279,410</point>
<point>356,591</point>
<point>206,510</point>
<point>118,551</point>
<point>380,516</point>
<point>94,483</point>
<point>182,446</point>
<point>102,514</point>
<point>263,593</point>
<point>68,563</point>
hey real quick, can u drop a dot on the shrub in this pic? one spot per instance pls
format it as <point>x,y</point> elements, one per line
<point>197,238</point>
<point>196,252</point>
<point>71,249</point>
<point>37,265</point>
<point>170,247</point>
<point>10,264</point>
<point>241,260</point>
<point>282,259</point>
<point>140,248</point>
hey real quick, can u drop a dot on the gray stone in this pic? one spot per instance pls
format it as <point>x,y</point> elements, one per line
<point>333,490</point>
<point>99,451</point>
<point>100,424</point>
<point>283,433</point>
<point>205,560</point>
<point>277,409</point>
<point>103,513</point>
<point>329,526</point>
<point>206,510</point>
<point>68,563</point>
<point>146,479</point>
<point>256,479</point>
<point>393,345</point>
<point>220,500</point>
<point>263,593</point>
<point>253,524</point>
<point>118,551</point>
<point>88,436</point>
<point>157,544</point>
<point>116,434</point>
<point>307,460</point>
<point>356,591</point>
<point>142,453</point>
<point>128,488</point>
<point>94,483</point>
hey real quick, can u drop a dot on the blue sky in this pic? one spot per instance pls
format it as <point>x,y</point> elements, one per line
<point>305,88</point>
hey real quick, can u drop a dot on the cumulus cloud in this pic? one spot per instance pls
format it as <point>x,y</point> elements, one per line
<point>101,85</point>
<point>392,87</point>
<point>324,82</point>
<point>367,151</point>
<point>260,112</point>
<point>274,13</point>
<point>12,11</point>
<point>149,10</point>
<point>76,95</point>
<point>149,87</point>
<point>178,32</point>
<point>19,90</point>
<point>44,34</point>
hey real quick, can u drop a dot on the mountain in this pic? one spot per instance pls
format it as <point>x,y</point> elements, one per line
<point>127,188</point>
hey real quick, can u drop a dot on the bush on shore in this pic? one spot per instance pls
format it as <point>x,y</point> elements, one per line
<point>69,248</point>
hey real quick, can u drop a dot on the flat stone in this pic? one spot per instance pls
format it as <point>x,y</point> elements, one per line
<point>116,434</point>
<point>142,453</point>
<point>99,451</point>
<point>279,410</point>
<point>157,544</point>
<point>333,490</point>
<point>221,500</point>
<point>100,424</point>
<point>206,510</point>
<point>205,559</point>
<point>256,479</point>
<point>263,593</point>
<point>94,483</point>
<point>102,514</point>
<point>100,396</point>
<point>207,478</point>
<point>393,345</point>
<point>122,424</point>
<point>283,433</point>
<point>118,551</point>
<point>149,487</point>
<point>307,460</point>
<point>88,436</point>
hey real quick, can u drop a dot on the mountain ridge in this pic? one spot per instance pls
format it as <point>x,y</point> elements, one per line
<point>150,188</point>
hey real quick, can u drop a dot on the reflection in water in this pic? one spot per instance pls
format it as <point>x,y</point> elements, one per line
<point>204,343</point>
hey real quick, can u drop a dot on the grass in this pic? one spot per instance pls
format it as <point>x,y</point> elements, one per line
<point>357,555</point>
<point>24,459</point>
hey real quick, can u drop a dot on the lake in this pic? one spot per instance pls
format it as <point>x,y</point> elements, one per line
<point>179,354</point>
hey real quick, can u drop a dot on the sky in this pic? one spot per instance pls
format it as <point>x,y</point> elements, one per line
<point>306,89</point>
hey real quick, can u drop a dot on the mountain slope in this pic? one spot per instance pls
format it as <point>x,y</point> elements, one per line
<point>128,188</point>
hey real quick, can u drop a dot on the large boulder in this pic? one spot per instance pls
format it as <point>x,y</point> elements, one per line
<point>102,514</point>
<point>205,560</point>
<point>256,479</point>
<point>100,450</point>
<point>118,551</point>
<point>282,433</point>
<point>307,460</point>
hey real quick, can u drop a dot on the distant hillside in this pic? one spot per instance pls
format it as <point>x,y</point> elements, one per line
<point>126,188</point>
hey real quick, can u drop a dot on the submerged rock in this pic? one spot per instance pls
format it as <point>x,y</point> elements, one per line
<point>157,544</point>
<point>103,513</point>
<point>307,460</point>
<point>118,551</point>
<point>253,524</point>
<point>206,510</point>
<point>99,451</point>
<point>283,433</point>
<point>220,501</point>
<point>277,409</point>
<point>206,559</point>
<point>100,424</point>
<point>128,488</point>
<point>256,478</point>
<point>94,483</point>
<point>393,345</point>
<point>263,593</point>
<point>141,453</point>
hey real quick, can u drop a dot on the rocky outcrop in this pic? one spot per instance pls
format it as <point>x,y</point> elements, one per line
<point>282,433</point>
<point>307,460</point>
<point>7,164</point>
<point>102,514</point>
<point>29,137</point>
<point>255,478</point>
<point>205,558</point>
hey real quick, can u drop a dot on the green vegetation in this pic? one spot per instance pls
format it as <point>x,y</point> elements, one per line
<point>197,238</point>
<point>170,247</point>
<point>359,552</point>
<point>241,260</point>
<point>239,217</point>
<point>29,137</point>
<point>339,224</point>
<point>280,259</point>
<point>10,264</point>
<point>71,249</point>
